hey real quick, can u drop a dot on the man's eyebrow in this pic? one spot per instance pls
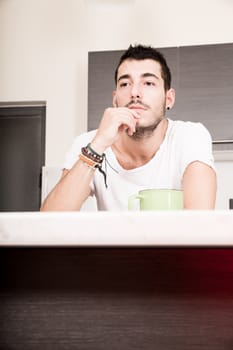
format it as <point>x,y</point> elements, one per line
<point>124,76</point>
<point>144,75</point>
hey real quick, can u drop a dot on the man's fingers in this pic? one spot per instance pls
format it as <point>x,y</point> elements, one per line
<point>135,114</point>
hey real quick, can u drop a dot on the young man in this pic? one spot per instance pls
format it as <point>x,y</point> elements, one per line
<point>136,147</point>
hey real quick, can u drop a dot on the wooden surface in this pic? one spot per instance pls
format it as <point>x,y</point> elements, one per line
<point>116,298</point>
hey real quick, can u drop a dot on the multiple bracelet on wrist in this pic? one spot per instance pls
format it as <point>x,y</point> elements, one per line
<point>93,159</point>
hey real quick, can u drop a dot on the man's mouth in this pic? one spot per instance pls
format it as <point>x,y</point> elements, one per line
<point>138,107</point>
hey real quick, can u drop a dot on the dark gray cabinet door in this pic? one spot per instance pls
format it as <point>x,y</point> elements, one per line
<point>206,88</point>
<point>22,155</point>
<point>101,68</point>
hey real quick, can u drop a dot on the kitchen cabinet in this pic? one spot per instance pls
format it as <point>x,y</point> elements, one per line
<point>22,155</point>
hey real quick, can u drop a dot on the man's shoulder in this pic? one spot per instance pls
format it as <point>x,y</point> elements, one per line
<point>85,137</point>
<point>79,141</point>
<point>188,130</point>
<point>181,126</point>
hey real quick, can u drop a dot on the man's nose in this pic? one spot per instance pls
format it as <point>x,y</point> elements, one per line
<point>136,91</point>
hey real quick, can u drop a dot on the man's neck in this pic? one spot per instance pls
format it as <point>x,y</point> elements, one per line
<point>132,153</point>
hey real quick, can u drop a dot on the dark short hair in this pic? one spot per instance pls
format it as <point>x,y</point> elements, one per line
<point>141,52</point>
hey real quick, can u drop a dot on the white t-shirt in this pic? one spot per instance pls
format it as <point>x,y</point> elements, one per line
<point>184,143</point>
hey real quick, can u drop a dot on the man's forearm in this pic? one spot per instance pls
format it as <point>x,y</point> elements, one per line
<point>71,191</point>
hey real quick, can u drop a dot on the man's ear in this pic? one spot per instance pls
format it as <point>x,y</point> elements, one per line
<point>170,98</point>
<point>114,100</point>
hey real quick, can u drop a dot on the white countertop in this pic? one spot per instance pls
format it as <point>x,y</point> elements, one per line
<point>107,229</point>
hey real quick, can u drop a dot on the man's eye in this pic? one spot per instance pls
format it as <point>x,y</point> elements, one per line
<point>124,84</point>
<point>149,83</point>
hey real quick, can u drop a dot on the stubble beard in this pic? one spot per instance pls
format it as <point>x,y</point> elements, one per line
<point>147,131</point>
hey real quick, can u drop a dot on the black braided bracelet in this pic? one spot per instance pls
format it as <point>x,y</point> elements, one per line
<point>93,151</point>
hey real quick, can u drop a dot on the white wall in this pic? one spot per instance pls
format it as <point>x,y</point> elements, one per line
<point>224,171</point>
<point>44,46</point>
<point>44,50</point>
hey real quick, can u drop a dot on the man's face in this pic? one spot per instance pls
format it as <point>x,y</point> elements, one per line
<point>140,86</point>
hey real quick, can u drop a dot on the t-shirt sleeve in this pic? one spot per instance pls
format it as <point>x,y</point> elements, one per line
<point>197,146</point>
<point>72,155</point>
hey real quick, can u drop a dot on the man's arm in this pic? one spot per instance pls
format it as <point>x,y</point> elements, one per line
<point>74,186</point>
<point>199,186</point>
<point>71,191</point>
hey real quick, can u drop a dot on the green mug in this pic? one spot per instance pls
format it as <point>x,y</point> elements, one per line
<point>157,199</point>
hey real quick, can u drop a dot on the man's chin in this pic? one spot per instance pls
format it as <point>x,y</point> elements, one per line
<point>145,131</point>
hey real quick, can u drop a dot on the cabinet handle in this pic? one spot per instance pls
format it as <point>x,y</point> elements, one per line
<point>222,141</point>
<point>231,203</point>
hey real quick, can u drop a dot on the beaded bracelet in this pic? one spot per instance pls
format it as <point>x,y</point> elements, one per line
<point>93,151</point>
<point>93,160</point>
<point>91,154</point>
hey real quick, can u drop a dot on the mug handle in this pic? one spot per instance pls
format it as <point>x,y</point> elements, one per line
<point>131,201</point>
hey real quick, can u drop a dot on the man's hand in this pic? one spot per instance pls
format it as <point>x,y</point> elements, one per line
<point>113,123</point>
